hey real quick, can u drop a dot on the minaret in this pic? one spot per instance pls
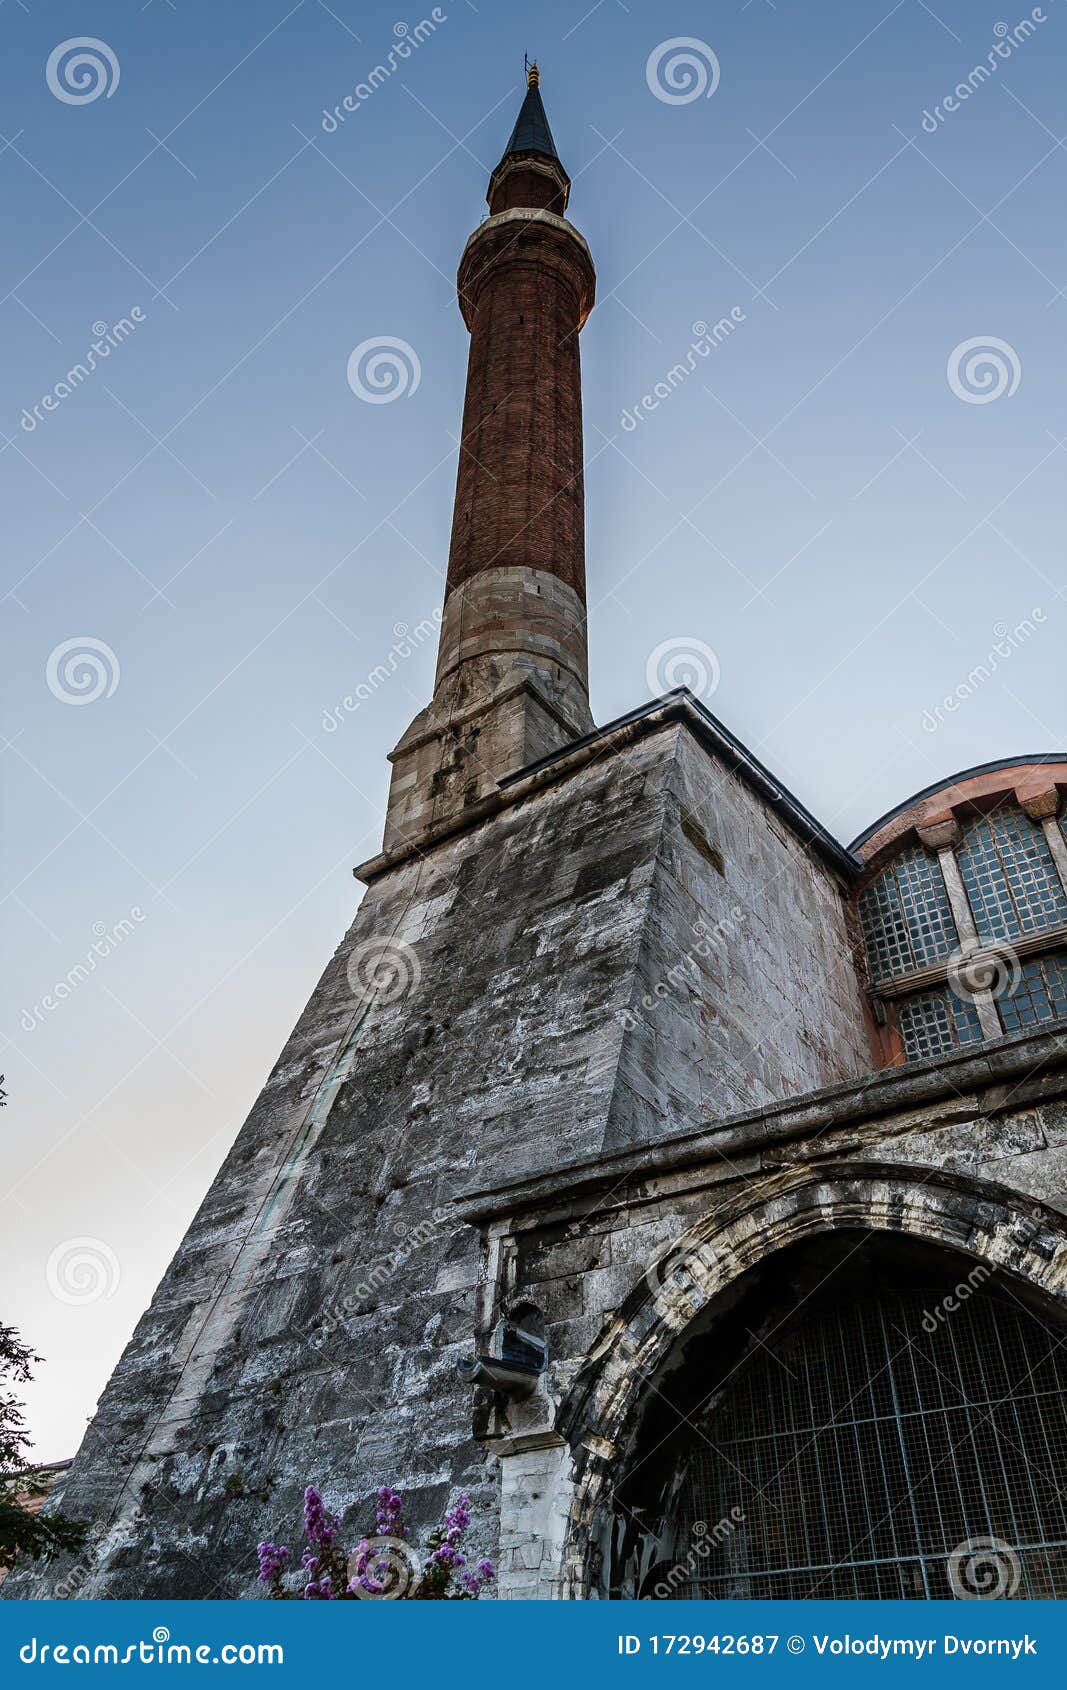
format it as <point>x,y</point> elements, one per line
<point>512,674</point>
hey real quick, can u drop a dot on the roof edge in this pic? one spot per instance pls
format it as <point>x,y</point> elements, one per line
<point>953,780</point>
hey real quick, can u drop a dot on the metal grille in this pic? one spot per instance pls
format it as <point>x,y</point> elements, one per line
<point>871,1449</point>
<point>906,915</point>
<point>932,1023</point>
<point>1011,879</point>
<point>1041,994</point>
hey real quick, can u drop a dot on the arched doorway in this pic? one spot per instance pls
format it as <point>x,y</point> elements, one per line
<point>860,1415</point>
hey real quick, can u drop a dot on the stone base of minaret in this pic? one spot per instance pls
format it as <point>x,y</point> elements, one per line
<point>510,690</point>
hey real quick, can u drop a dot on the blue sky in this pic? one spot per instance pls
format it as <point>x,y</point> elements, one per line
<point>242,535</point>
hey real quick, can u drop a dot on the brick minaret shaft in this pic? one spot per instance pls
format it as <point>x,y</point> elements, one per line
<point>512,672</point>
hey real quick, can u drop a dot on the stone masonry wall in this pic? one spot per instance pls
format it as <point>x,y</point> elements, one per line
<point>747,989</point>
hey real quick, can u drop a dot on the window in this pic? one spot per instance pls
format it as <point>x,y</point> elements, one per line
<point>1014,891</point>
<point>1040,995</point>
<point>934,1023</point>
<point>1010,877</point>
<point>907,919</point>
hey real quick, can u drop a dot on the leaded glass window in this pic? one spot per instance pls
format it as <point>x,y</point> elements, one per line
<point>935,1023</point>
<point>1040,995</point>
<point>907,919</point>
<point>1010,877</point>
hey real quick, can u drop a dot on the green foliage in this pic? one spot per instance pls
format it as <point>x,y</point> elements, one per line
<point>23,1532</point>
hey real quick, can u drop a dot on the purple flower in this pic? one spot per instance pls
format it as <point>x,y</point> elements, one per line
<point>321,1527</point>
<point>388,1522</point>
<point>457,1519</point>
<point>320,1590</point>
<point>272,1559</point>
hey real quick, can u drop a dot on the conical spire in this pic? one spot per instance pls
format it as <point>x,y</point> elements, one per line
<point>531,133</point>
<point>531,157</point>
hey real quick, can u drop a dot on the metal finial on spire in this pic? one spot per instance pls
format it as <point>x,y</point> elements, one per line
<point>533,74</point>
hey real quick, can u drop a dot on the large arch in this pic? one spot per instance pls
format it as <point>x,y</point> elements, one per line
<point>979,1220</point>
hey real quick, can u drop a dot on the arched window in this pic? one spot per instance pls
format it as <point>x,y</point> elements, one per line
<point>1010,877</point>
<point>890,1427</point>
<point>1015,896</point>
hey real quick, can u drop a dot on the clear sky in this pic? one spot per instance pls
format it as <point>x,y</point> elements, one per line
<point>832,500</point>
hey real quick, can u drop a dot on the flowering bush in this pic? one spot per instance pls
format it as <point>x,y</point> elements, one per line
<point>386,1565</point>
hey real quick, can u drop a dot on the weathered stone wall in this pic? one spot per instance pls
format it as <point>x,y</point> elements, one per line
<point>310,1325</point>
<point>747,989</point>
